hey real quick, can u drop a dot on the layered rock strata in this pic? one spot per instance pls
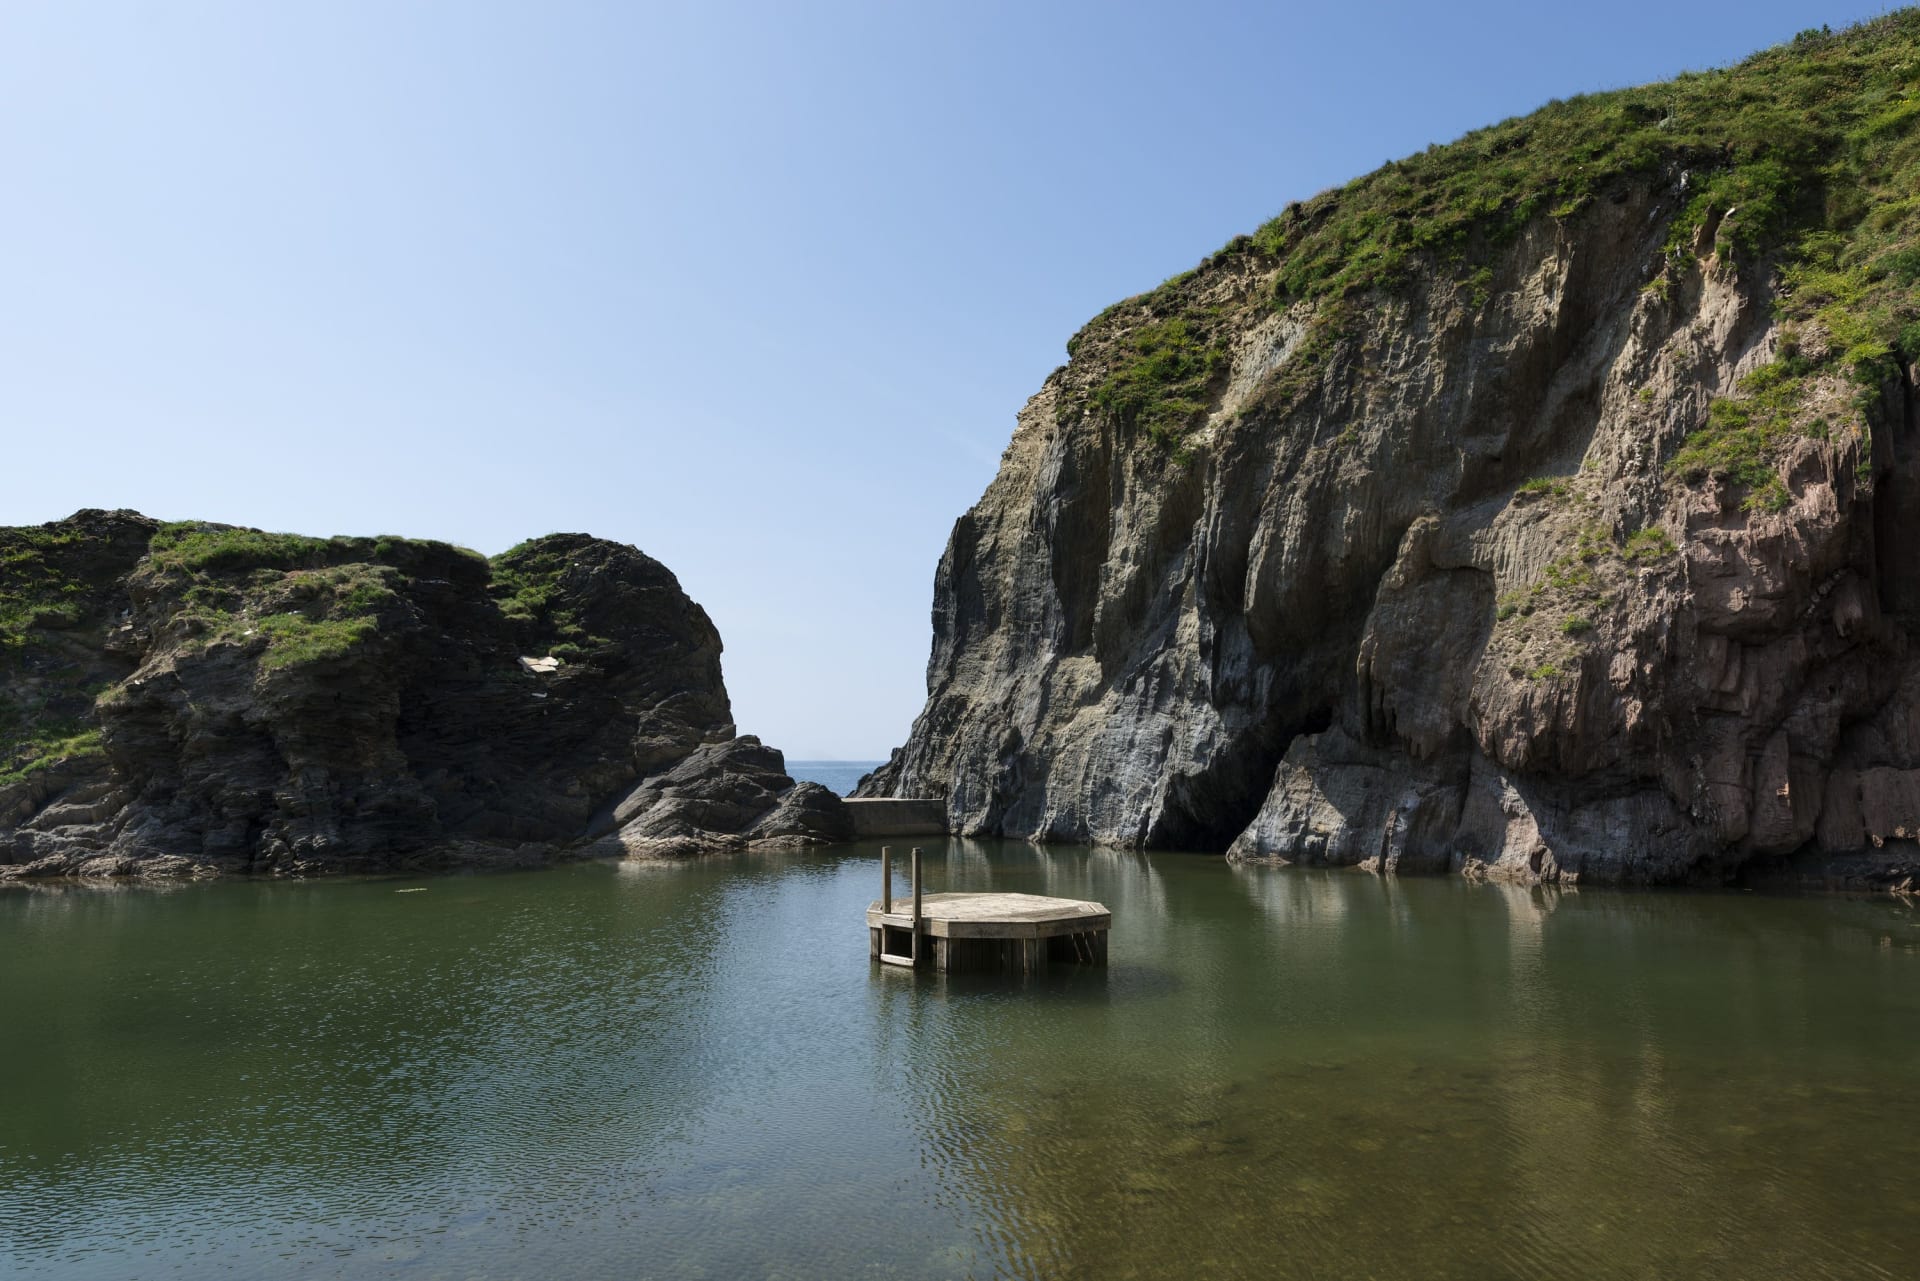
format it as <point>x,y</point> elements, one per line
<point>195,698</point>
<point>1584,543</point>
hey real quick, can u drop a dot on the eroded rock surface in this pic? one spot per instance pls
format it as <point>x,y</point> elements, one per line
<point>738,787</point>
<point>191,699</point>
<point>1417,586</point>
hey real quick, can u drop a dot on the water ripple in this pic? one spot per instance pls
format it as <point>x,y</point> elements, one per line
<point>695,1071</point>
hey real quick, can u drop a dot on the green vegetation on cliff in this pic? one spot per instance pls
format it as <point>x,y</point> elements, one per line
<point>1743,433</point>
<point>527,587</point>
<point>234,699</point>
<point>35,593</point>
<point>298,599</point>
<point>290,599</point>
<point>1162,383</point>
<point>31,748</point>
<point>304,600</point>
<point>1803,160</point>
<point>48,673</point>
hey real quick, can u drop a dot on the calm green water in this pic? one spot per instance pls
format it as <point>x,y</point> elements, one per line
<point>694,1071</point>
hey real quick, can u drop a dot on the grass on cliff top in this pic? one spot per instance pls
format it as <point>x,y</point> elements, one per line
<point>303,616</point>
<point>324,614</point>
<point>1850,280</point>
<point>526,587</point>
<point>308,599</point>
<point>1761,138</point>
<point>1804,153</point>
<point>199,548</point>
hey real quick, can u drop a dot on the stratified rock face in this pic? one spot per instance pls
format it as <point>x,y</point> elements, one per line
<point>190,698</point>
<point>1451,566</point>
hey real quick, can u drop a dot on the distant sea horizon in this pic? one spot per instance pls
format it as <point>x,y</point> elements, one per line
<point>840,776</point>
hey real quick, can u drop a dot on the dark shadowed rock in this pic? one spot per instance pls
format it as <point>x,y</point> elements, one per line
<point>196,698</point>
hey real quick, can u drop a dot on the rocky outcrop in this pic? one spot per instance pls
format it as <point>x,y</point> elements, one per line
<point>739,787</point>
<point>1572,547</point>
<point>185,699</point>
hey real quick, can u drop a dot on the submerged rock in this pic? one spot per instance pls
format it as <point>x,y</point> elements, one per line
<point>194,698</point>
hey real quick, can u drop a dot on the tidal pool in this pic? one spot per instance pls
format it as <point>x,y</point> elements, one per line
<point>694,1071</point>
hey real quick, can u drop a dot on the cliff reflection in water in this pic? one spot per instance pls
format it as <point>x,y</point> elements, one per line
<point>693,1069</point>
<point>1334,1075</point>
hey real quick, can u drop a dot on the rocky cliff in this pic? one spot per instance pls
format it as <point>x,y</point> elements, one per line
<point>1545,505</point>
<point>191,698</point>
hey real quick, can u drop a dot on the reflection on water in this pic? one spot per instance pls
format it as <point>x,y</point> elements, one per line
<point>695,1071</point>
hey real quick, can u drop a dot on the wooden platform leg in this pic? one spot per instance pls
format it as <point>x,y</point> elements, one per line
<point>916,907</point>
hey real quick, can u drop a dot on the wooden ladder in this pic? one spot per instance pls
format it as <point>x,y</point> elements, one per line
<point>911,958</point>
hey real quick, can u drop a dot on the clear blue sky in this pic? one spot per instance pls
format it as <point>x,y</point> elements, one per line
<point>756,287</point>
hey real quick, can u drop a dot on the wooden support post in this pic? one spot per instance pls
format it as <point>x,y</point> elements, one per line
<point>886,878</point>
<point>916,905</point>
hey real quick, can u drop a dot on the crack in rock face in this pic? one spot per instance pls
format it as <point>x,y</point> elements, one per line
<point>1420,591</point>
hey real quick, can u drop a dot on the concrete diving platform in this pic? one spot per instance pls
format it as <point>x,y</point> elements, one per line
<point>893,817</point>
<point>961,933</point>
